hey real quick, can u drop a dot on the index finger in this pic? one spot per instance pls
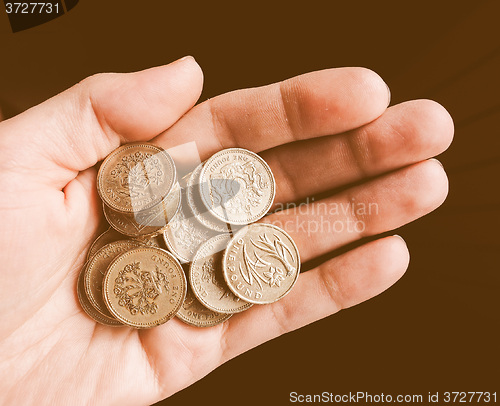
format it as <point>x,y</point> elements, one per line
<point>312,105</point>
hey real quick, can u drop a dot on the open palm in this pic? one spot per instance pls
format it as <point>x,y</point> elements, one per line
<point>320,131</point>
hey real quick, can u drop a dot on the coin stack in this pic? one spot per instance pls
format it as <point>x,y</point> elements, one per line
<point>189,248</point>
<point>139,190</point>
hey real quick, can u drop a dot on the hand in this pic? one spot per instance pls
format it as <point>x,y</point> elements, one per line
<point>52,351</point>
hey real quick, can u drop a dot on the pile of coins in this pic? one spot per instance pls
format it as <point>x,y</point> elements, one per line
<point>139,190</point>
<point>188,248</point>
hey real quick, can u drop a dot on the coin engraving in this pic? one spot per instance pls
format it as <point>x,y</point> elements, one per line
<point>261,263</point>
<point>207,281</point>
<point>270,274</point>
<point>134,173</point>
<point>137,289</point>
<point>135,177</point>
<point>237,186</point>
<point>144,287</point>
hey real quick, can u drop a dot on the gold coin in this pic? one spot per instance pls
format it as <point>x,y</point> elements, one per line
<point>192,312</point>
<point>108,236</point>
<point>96,268</point>
<point>147,222</point>
<point>87,306</point>
<point>144,287</point>
<point>136,177</point>
<point>198,208</point>
<point>185,234</point>
<point>207,281</point>
<point>237,186</point>
<point>261,263</point>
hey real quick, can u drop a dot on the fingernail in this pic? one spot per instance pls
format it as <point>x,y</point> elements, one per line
<point>184,58</point>
<point>389,95</point>
<point>402,239</point>
<point>436,160</point>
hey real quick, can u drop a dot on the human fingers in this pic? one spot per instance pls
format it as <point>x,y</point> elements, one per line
<point>312,105</point>
<point>405,134</point>
<point>377,206</point>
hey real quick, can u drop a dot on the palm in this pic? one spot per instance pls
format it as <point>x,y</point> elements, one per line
<point>50,210</point>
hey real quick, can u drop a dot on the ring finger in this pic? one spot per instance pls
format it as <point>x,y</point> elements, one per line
<point>374,207</point>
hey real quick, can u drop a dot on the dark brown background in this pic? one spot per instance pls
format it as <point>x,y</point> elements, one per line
<point>436,329</point>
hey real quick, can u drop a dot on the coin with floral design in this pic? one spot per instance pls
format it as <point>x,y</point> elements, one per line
<point>207,282</point>
<point>237,186</point>
<point>261,263</point>
<point>144,287</point>
<point>136,177</point>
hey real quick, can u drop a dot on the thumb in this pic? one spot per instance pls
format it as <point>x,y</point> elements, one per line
<point>77,128</point>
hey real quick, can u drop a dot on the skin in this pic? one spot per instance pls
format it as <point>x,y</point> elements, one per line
<point>52,352</point>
